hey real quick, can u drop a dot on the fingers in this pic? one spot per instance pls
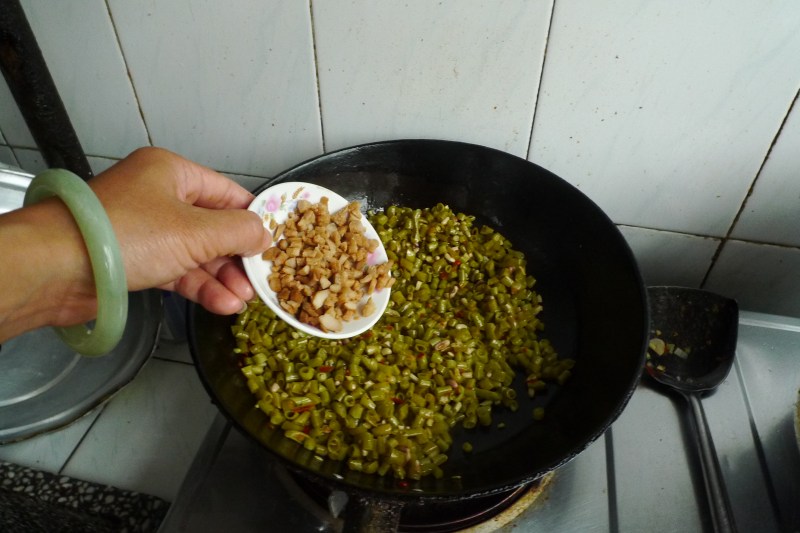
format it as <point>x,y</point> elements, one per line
<point>203,288</point>
<point>234,232</point>
<point>178,223</point>
<point>229,272</point>
<point>220,286</point>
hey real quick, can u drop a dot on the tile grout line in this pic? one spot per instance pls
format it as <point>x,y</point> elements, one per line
<point>541,78</point>
<point>316,71</point>
<point>662,230</point>
<point>710,237</point>
<point>101,409</point>
<point>72,453</point>
<point>176,361</point>
<point>22,147</point>
<point>128,73</point>
<point>116,158</point>
<point>727,237</point>
<point>14,155</point>
<point>722,239</point>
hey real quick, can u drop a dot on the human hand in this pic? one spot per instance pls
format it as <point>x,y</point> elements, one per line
<point>179,226</point>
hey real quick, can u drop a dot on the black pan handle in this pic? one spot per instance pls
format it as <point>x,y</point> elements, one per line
<point>371,515</point>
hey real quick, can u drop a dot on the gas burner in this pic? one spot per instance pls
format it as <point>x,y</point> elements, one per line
<point>475,515</point>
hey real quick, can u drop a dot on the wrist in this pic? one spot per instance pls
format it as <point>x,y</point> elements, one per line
<point>50,268</point>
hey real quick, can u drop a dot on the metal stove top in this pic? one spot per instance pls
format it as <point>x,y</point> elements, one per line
<point>642,475</point>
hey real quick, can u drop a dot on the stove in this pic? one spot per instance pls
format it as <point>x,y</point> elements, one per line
<point>642,475</point>
<point>441,517</point>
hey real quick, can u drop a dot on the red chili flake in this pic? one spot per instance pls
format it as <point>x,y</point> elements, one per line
<point>389,327</point>
<point>398,401</point>
<point>403,484</point>
<point>307,429</point>
<point>347,372</point>
<point>443,275</point>
<point>325,368</point>
<point>457,262</point>
<point>420,355</point>
<point>367,334</point>
<point>303,408</point>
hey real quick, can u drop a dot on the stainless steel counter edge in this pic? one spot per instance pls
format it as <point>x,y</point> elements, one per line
<point>13,184</point>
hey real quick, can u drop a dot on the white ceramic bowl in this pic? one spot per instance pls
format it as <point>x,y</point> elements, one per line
<point>273,205</point>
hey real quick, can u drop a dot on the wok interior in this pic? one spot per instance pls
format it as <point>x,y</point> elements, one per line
<point>595,309</point>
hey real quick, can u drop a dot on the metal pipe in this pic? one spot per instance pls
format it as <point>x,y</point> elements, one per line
<point>37,97</point>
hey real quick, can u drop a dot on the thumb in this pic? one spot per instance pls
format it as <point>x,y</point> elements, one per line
<point>237,232</point>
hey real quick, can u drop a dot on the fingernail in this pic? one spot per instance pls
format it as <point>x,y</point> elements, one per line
<point>248,293</point>
<point>243,309</point>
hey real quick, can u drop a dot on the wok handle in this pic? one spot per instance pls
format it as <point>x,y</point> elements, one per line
<point>371,515</point>
<point>721,512</point>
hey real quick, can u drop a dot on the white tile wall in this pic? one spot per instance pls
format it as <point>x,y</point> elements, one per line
<point>772,212</point>
<point>148,435</point>
<point>231,86</point>
<point>7,156</point>
<point>761,277</point>
<point>461,70</point>
<point>84,59</point>
<point>667,258</point>
<point>50,451</point>
<point>11,122</point>
<point>30,160</point>
<point>248,182</point>
<point>662,112</point>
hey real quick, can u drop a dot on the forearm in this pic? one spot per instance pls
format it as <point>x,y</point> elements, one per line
<point>45,271</point>
<point>178,224</point>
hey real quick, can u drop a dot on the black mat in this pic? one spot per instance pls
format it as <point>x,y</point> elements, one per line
<point>33,501</point>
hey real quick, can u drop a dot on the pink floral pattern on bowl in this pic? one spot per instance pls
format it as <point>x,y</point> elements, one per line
<point>277,206</point>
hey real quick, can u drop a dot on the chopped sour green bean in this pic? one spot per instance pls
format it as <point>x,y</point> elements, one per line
<point>462,321</point>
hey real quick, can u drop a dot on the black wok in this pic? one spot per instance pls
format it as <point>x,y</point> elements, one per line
<point>595,311</point>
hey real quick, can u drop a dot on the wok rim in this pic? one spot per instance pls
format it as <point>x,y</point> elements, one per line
<point>398,494</point>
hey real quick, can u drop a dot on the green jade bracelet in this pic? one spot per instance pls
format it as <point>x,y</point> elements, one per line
<point>104,255</point>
